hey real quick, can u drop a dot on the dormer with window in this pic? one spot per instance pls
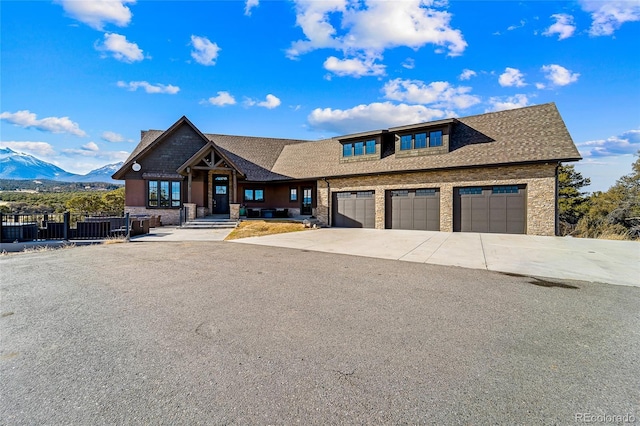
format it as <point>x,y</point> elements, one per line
<point>361,146</point>
<point>423,139</point>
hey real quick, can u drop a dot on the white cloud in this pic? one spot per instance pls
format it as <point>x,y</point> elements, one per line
<point>608,16</point>
<point>626,143</point>
<point>368,27</point>
<point>120,48</point>
<point>467,74</point>
<point>250,4</point>
<point>270,102</point>
<point>515,27</point>
<point>149,88</point>
<point>511,77</point>
<point>97,13</point>
<point>558,75</point>
<point>353,67</point>
<point>223,98</point>
<point>27,119</point>
<point>540,86</point>
<point>563,26</point>
<point>409,63</point>
<point>38,149</point>
<point>92,150</point>
<point>91,146</point>
<point>439,93</point>
<point>372,116</point>
<point>205,52</point>
<point>511,102</point>
<point>112,137</point>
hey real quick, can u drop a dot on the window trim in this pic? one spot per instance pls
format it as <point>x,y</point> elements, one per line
<point>359,148</point>
<point>253,196</point>
<point>430,144</point>
<point>172,201</point>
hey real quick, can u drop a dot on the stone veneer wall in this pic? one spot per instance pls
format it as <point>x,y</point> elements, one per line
<point>167,216</point>
<point>540,180</point>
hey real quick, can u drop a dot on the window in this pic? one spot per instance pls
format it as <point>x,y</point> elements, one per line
<point>471,191</point>
<point>293,194</point>
<point>364,194</point>
<point>425,192</point>
<point>405,142</point>
<point>163,193</point>
<point>254,195</point>
<point>400,193</point>
<point>359,148</point>
<point>505,189</point>
<point>421,140</point>
<point>370,147</point>
<point>435,138</point>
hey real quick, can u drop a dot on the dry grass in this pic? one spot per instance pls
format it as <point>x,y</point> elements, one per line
<point>115,240</point>
<point>258,228</point>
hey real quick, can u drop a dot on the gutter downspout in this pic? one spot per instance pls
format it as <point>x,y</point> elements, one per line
<point>557,206</point>
<point>328,201</point>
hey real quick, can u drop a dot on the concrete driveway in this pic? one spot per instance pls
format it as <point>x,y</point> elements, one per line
<point>216,333</point>
<point>613,262</point>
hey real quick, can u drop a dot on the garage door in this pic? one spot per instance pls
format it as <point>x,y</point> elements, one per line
<point>500,209</point>
<point>354,209</point>
<point>417,209</point>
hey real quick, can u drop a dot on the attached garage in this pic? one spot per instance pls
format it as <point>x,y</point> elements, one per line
<point>355,209</point>
<point>496,209</point>
<point>416,209</point>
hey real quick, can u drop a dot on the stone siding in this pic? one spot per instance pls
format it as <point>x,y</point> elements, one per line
<point>539,179</point>
<point>167,216</point>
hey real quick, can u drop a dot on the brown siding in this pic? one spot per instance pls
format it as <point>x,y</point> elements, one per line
<point>135,192</point>
<point>173,152</point>
<point>198,193</point>
<point>275,195</point>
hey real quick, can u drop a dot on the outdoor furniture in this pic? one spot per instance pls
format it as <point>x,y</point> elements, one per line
<point>267,213</point>
<point>282,213</point>
<point>253,212</point>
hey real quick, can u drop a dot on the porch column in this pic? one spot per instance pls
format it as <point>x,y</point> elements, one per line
<point>234,184</point>
<point>189,185</point>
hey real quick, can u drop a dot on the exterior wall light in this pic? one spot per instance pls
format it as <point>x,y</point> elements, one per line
<point>136,166</point>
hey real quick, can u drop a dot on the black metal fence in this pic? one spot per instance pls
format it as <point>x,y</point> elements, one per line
<point>65,226</point>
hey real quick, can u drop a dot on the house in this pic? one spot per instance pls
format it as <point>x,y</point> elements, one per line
<point>493,172</point>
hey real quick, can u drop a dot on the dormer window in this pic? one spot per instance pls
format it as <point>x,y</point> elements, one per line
<point>406,142</point>
<point>421,140</point>
<point>370,147</point>
<point>361,146</point>
<point>435,138</point>
<point>358,148</point>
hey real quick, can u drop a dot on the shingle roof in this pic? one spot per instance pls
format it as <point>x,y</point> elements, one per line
<point>524,135</point>
<point>253,155</point>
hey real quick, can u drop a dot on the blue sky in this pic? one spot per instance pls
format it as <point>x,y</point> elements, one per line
<point>80,79</point>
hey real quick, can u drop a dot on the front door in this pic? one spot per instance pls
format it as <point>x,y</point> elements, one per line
<point>307,201</point>
<point>221,194</point>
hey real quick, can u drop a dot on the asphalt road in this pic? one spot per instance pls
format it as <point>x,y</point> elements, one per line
<point>221,333</point>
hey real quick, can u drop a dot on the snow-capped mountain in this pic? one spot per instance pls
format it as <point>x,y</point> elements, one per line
<point>103,174</point>
<point>17,165</point>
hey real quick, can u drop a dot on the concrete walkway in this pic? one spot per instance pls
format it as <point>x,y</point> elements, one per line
<point>613,262</point>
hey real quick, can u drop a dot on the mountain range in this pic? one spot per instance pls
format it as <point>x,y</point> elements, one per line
<point>18,165</point>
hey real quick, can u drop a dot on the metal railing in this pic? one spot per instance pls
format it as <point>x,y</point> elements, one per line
<point>62,226</point>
